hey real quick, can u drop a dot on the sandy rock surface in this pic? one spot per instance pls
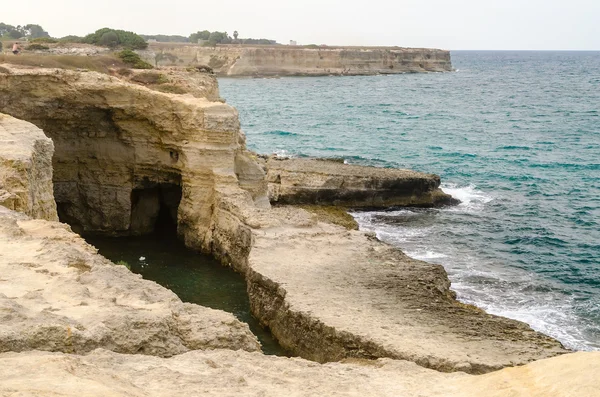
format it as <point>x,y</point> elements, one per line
<point>26,169</point>
<point>327,293</point>
<point>227,373</point>
<point>57,294</point>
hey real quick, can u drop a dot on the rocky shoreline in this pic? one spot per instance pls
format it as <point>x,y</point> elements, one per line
<point>326,293</point>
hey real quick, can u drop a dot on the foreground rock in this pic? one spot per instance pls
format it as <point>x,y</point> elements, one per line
<point>57,294</point>
<point>227,373</point>
<point>26,169</point>
<point>327,293</point>
<point>300,61</point>
<point>314,181</point>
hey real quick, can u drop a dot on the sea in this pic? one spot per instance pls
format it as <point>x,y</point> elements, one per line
<point>514,135</point>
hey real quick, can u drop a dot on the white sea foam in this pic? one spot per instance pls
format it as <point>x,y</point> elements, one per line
<point>471,199</point>
<point>425,255</point>
<point>498,289</point>
<point>282,154</point>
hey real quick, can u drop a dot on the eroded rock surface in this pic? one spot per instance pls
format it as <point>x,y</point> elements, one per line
<point>26,169</point>
<point>58,294</point>
<point>328,293</point>
<point>123,152</point>
<point>315,181</point>
<point>226,373</point>
<point>325,292</point>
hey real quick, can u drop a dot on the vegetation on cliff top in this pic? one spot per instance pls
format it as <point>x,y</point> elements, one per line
<point>30,31</point>
<point>133,60</point>
<point>214,38</point>
<point>114,38</point>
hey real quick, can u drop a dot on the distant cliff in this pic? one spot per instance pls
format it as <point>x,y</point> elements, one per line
<point>300,61</point>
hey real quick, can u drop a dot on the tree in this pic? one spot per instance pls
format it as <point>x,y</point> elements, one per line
<point>235,34</point>
<point>105,36</point>
<point>35,31</point>
<point>199,35</point>
<point>109,39</point>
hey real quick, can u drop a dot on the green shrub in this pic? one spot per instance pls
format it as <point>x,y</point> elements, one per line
<point>123,263</point>
<point>150,78</point>
<point>37,47</point>
<point>44,40</point>
<point>170,88</point>
<point>132,59</point>
<point>114,37</point>
<point>71,39</point>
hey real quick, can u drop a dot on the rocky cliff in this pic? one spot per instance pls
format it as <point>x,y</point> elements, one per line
<point>300,61</point>
<point>325,292</point>
<point>26,169</point>
<point>326,182</point>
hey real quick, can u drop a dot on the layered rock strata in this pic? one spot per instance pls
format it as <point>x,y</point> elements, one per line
<point>58,294</point>
<point>26,169</point>
<point>124,153</point>
<point>325,292</point>
<point>226,373</point>
<point>300,61</point>
<point>314,181</point>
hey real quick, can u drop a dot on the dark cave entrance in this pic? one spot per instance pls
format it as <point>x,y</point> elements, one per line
<point>154,209</point>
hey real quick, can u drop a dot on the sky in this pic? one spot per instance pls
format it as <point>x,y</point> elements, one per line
<point>452,25</point>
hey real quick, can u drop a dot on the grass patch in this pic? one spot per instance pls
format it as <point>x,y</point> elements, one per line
<point>170,88</point>
<point>44,40</point>
<point>133,60</point>
<point>123,263</point>
<point>332,214</point>
<point>97,64</point>
<point>150,78</point>
<point>37,47</point>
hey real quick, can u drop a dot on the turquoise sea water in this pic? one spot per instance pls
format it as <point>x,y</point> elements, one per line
<point>514,135</point>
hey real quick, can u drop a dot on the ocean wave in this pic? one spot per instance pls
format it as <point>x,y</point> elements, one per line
<point>470,198</point>
<point>280,133</point>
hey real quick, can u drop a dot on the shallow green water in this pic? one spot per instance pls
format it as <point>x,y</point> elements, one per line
<point>194,277</point>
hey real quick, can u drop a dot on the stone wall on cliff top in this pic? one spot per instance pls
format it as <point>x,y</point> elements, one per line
<point>300,61</point>
<point>124,152</point>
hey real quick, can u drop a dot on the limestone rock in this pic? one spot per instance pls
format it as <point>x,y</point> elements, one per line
<point>26,169</point>
<point>58,294</point>
<point>315,181</point>
<point>227,373</point>
<point>301,61</point>
<point>327,293</point>
<point>115,140</point>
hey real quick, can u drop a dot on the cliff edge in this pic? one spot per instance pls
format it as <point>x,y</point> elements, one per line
<point>236,61</point>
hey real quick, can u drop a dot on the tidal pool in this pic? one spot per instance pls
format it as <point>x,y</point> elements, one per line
<point>194,277</point>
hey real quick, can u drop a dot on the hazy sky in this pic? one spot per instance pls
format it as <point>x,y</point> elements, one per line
<point>448,24</point>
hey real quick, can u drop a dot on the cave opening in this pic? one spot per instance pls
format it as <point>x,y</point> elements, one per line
<point>154,209</point>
